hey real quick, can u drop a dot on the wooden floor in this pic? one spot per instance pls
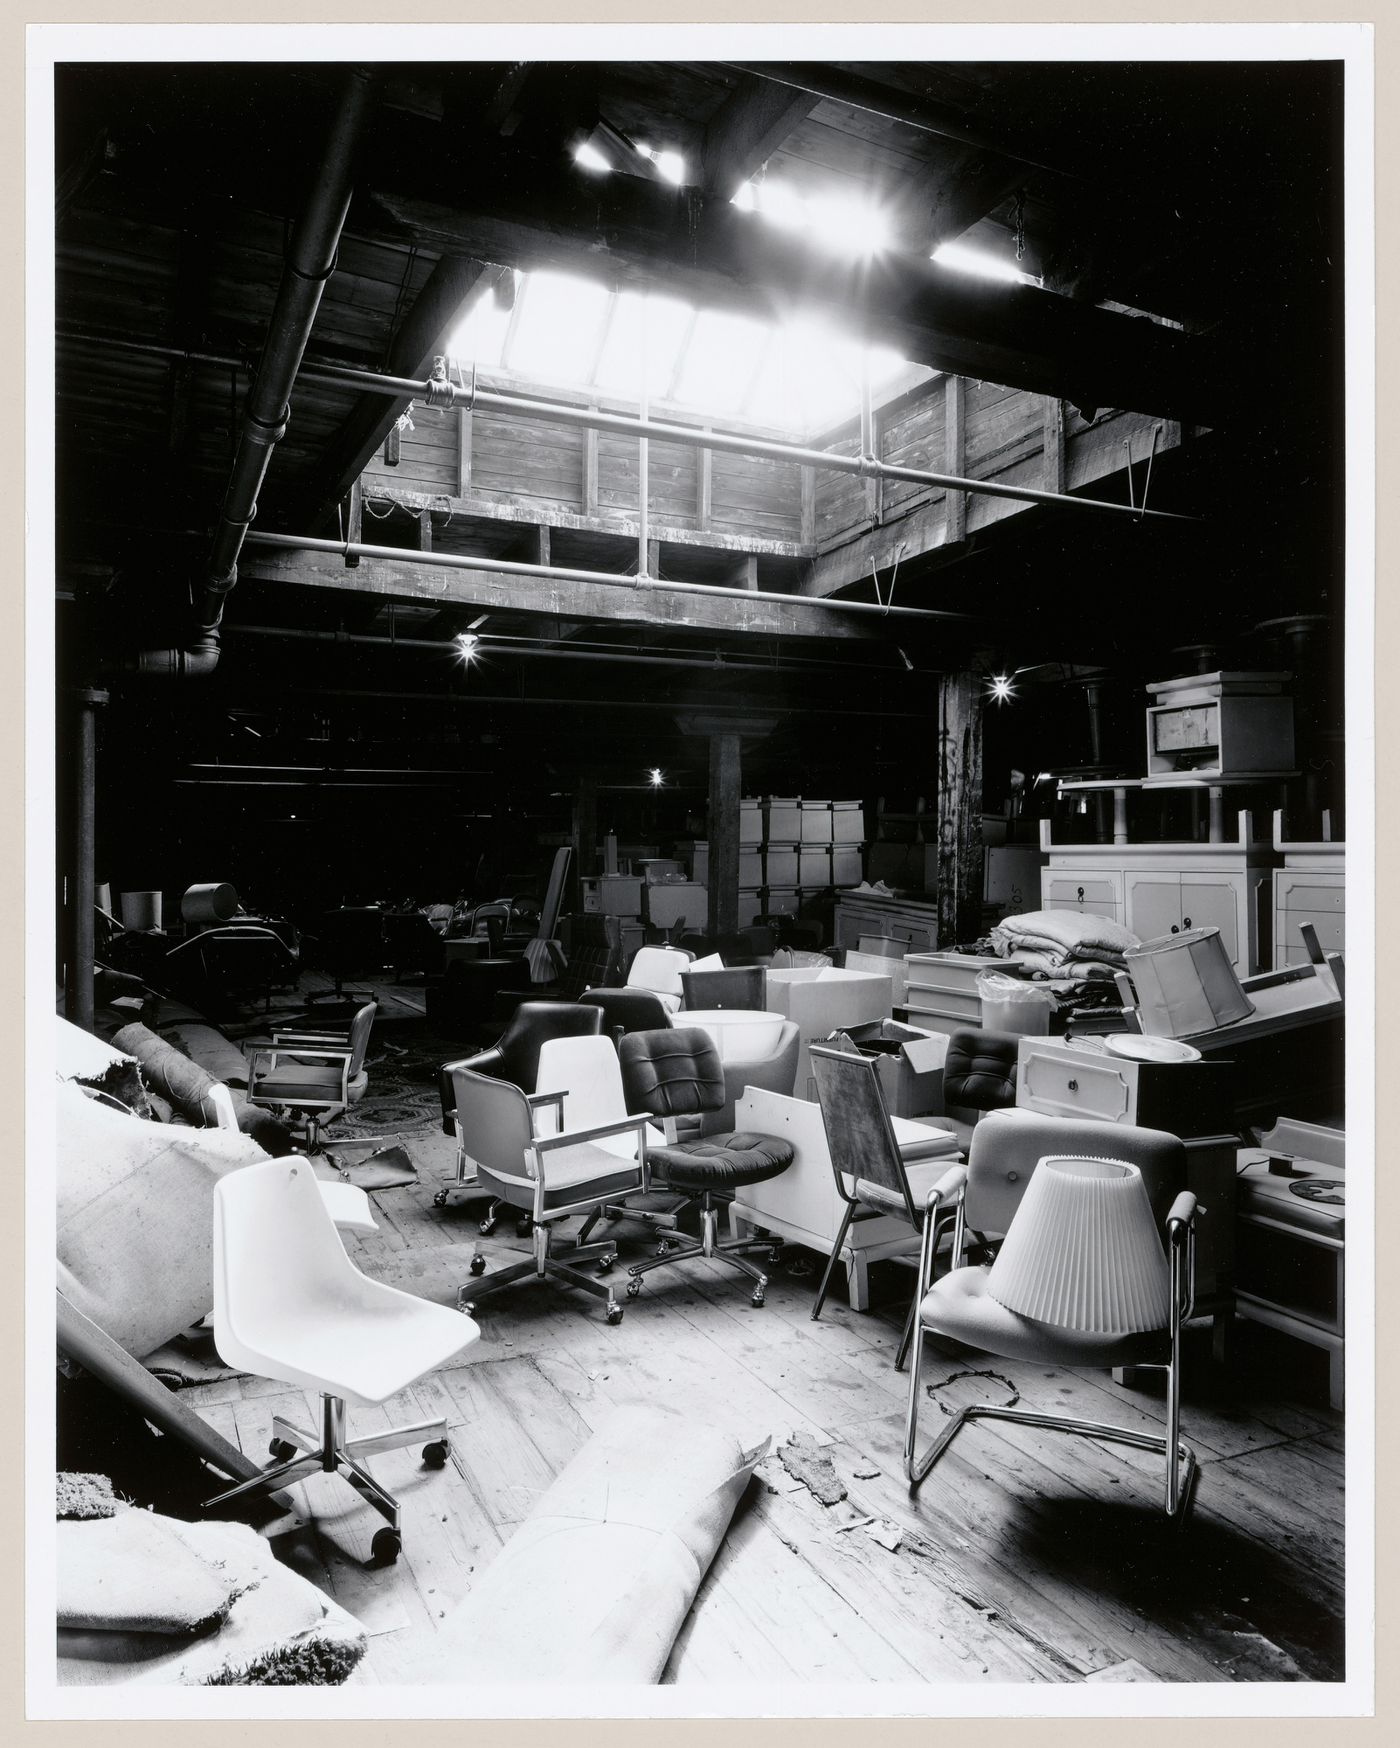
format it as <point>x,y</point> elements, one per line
<point>1026,1555</point>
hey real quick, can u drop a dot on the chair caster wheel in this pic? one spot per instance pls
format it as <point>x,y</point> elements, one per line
<point>614,1313</point>
<point>605,1264</point>
<point>386,1546</point>
<point>282,1450</point>
<point>435,1454</point>
<point>612,1216</point>
<point>663,1249</point>
<point>523,1228</point>
<point>466,1306</point>
<point>477,1266</point>
<point>440,1199</point>
<point>757,1298</point>
<point>633,1288</point>
<point>487,1226</point>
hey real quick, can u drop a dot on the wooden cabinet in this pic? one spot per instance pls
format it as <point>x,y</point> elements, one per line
<point>1098,891</point>
<point>1309,888</point>
<point>913,924</point>
<point>941,990</point>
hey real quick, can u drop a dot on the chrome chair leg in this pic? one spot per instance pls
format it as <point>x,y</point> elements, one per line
<point>831,1262</point>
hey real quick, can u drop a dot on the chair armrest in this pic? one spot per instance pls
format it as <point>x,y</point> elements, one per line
<point>1182,1212</point>
<point>547,1098</point>
<point>948,1188</point>
<point>313,1035</point>
<point>572,1137</point>
<point>332,1052</point>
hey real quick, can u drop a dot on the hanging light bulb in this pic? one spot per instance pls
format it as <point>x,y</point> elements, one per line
<point>468,645</point>
<point>1001,688</point>
<point>657,779</point>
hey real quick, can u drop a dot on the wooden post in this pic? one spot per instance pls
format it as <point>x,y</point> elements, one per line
<point>425,530</point>
<point>354,522</point>
<point>745,572</point>
<point>464,453</point>
<point>1054,445</point>
<point>725,778</point>
<point>78,995</point>
<point>808,532</point>
<point>959,808</point>
<point>954,460</point>
<point>704,487</point>
<point>542,548</point>
<point>590,467</point>
<point>585,829</point>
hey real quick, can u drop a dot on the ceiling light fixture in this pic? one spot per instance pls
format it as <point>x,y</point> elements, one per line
<point>657,779</point>
<point>1001,688</point>
<point>588,157</point>
<point>468,645</point>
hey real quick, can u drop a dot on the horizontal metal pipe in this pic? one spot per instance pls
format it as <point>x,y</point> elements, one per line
<point>565,574</point>
<point>730,442</point>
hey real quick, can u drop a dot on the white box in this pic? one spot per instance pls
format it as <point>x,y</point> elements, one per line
<point>847,822</point>
<point>814,866</point>
<point>782,900</point>
<point>823,1001</point>
<point>750,822</point>
<point>784,814</point>
<point>815,822</point>
<point>845,865</point>
<point>780,865</point>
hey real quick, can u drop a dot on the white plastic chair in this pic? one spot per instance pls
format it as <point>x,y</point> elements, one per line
<point>659,970</point>
<point>347,1204</point>
<point>290,1305</point>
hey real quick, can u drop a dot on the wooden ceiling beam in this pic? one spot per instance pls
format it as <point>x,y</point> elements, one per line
<point>618,603</point>
<point>746,130</point>
<point>421,337</point>
<point>949,204</point>
<point>532,212</point>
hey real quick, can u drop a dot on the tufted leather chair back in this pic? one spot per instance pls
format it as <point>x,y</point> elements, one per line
<point>979,1070</point>
<point>674,1072</point>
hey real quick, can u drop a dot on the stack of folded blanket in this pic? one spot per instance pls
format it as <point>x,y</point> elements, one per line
<point>1064,943</point>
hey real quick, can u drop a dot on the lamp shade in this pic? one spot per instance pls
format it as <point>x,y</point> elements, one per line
<point>1082,1250</point>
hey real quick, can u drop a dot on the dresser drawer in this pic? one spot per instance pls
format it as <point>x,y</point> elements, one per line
<point>960,1004</point>
<point>1075,1089</point>
<point>1310,895</point>
<point>1092,890</point>
<point>1288,943</point>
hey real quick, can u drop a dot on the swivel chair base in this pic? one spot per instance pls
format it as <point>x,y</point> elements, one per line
<point>678,1246</point>
<point>302,1453</point>
<point>548,1264</point>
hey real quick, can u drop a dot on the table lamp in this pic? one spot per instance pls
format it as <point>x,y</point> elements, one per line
<point>1083,1252</point>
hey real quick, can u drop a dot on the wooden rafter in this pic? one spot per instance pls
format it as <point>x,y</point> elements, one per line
<point>746,130</point>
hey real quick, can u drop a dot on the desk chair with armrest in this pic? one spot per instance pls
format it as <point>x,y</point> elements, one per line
<point>312,1076</point>
<point>986,1193</point>
<point>549,1177</point>
<point>515,1056</point>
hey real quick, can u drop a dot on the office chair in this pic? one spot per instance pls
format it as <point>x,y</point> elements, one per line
<point>875,1175</point>
<point>313,1076</point>
<point>290,1305</point>
<point>515,1056</point>
<point>659,970</point>
<point>628,1010</point>
<point>1005,1153</point>
<point>551,1177</point>
<point>979,1075</point>
<point>675,1073</point>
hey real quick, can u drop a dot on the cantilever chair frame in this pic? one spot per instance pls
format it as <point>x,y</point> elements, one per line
<point>1180,1457</point>
<point>545,1262</point>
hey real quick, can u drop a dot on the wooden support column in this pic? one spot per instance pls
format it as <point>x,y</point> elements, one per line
<point>1054,445</point>
<point>954,454</point>
<point>585,830</point>
<point>590,468</point>
<point>464,453</point>
<point>960,697</point>
<point>745,572</point>
<point>808,531</point>
<point>425,530</point>
<point>542,544</point>
<point>653,558</point>
<point>725,780</point>
<point>354,522</point>
<point>704,500</point>
<point>78,998</point>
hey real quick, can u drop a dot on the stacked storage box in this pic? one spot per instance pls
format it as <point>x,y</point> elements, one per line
<point>792,850</point>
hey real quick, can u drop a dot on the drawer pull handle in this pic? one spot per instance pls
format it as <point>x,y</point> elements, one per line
<point>1072,1085</point>
<point>1186,922</point>
<point>1013,1177</point>
<point>1176,930</point>
<point>1081,895</point>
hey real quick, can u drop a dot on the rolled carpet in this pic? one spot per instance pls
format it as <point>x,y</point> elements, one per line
<point>597,1581</point>
<point>185,1085</point>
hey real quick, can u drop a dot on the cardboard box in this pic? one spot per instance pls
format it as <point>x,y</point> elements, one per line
<point>750,906</point>
<point>782,900</point>
<point>847,822</point>
<point>845,865</point>
<point>909,1063</point>
<point>784,815</point>
<point>672,902</point>
<point>883,965</point>
<point>821,1000</point>
<point>751,868</point>
<point>780,865</point>
<point>750,822</point>
<point>815,820</point>
<point>814,865</point>
<point>620,895</point>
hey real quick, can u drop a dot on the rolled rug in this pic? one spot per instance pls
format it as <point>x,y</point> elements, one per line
<point>595,1584</point>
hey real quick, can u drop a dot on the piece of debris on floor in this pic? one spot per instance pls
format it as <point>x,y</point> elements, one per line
<point>86,1496</point>
<point>855,1523</point>
<point>806,1463</point>
<point>889,1535</point>
<point>868,1473</point>
<point>1013,1395</point>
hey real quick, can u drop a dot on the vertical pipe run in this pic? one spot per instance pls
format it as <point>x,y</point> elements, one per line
<point>725,782</point>
<point>83,892</point>
<point>643,490</point>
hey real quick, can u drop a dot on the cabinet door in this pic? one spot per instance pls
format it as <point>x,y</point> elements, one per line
<point>1216,901</point>
<point>1153,904</point>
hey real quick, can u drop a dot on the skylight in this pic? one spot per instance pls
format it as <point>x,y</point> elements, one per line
<point>842,223</point>
<point>799,375</point>
<point>967,258</point>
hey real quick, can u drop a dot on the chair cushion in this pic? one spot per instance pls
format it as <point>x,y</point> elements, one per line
<point>722,1162</point>
<point>959,1305</point>
<point>980,1069</point>
<point>585,1173</point>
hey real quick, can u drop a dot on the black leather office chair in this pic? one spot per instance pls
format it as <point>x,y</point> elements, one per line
<point>674,1073</point>
<point>515,1056</point>
<point>627,1010</point>
<point>979,1074</point>
<point>737,986</point>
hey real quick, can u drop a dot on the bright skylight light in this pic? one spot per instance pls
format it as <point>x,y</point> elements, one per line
<point>799,375</point>
<point>840,222</point>
<point>966,258</point>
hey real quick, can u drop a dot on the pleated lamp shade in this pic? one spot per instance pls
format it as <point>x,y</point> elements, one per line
<point>1082,1250</point>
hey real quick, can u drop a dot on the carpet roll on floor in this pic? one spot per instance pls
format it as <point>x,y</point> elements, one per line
<point>595,1584</point>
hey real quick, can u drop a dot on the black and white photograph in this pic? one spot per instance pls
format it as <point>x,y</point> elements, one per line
<point>701,833</point>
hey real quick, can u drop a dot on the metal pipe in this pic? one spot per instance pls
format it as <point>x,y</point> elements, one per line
<point>446,394</point>
<point>310,261</point>
<point>78,998</point>
<point>560,573</point>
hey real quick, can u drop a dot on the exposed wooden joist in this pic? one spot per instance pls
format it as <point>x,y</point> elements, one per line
<point>746,130</point>
<point>529,212</point>
<point>622,602</point>
<point>944,209</point>
<point>421,337</point>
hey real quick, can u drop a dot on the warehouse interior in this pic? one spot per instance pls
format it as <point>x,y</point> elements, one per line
<point>866,537</point>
